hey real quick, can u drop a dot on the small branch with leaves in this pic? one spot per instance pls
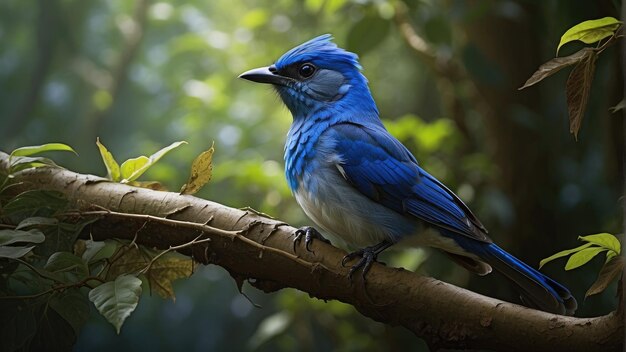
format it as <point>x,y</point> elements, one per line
<point>605,32</point>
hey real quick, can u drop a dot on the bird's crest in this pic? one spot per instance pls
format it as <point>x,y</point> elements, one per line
<point>320,50</point>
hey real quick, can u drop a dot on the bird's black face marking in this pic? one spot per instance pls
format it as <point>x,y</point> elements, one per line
<point>300,71</point>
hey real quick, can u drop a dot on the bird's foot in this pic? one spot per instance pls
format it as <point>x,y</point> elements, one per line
<point>368,257</point>
<point>309,233</point>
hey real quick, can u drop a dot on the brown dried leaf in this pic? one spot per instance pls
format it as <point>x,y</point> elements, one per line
<point>555,65</point>
<point>163,271</point>
<point>609,272</point>
<point>201,172</point>
<point>577,89</point>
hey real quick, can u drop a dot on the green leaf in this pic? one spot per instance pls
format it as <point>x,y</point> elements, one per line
<point>610,255</point>
<point>609,272</point>
<point>14,252</point>
<point>91,249</point>
<point>563,254</point>
<point>201,171</point>
<point>14,236</point>
<point>116,300</point>
<point>104,252</point>
<point>113,168</point>
<point>131,169</point>
<point>577,90</point>
<point>555,65</point>
<point>590,31</point>
<point>66,261</point>
<point>36,149</point>
<point>73,306</point>
<point>605,240</point>
<point>582,257</point>
<point>62,238</point>
<point>37,221</point>
<point>18,163</point>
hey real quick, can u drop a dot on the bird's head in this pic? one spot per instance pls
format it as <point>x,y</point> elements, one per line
<point>317,75</point>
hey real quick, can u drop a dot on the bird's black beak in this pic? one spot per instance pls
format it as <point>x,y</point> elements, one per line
<point>265,75</point>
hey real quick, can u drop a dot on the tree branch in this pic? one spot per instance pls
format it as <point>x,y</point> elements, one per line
<point>258,249</point>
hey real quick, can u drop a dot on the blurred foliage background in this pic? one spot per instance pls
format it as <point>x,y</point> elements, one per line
<point>141,74</point>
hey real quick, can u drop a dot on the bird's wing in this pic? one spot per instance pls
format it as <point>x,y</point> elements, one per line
<point>381,168</point>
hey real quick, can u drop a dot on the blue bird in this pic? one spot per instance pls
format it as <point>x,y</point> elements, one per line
<point>360,184</point>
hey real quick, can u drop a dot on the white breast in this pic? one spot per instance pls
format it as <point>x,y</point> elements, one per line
<point>344,213</point>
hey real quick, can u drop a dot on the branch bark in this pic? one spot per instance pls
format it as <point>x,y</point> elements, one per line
<point>258,249</point>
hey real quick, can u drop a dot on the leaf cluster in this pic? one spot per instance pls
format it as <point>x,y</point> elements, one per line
<point>132,169</point>
<point>49,275</point>
<point>581,255</point>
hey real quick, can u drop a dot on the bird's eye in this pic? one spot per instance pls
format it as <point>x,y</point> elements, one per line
<point>306,70</point>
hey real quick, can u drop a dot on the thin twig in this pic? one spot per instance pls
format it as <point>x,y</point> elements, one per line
<point>173,248</point>
<point>81,283</point>
<point>35,270</point>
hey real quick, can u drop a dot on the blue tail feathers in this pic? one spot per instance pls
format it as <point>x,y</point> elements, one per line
<point>536,289</point>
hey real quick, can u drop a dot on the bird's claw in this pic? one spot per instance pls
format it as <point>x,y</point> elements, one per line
<point>368,257</point>
<point>309,233</point>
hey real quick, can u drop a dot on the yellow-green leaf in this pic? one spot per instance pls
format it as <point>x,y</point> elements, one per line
<point>201,171</point>
<point>590,31</point>
<point>563,254</point>
<point>36,149</point>
<point>605,240</point>
<point>610,255</point>
<point>131,169</point>
<point>18,163</point>
<point>609,272</point>
<point>582,257</point>
<point>113,168</point>
<point>158,155</point>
